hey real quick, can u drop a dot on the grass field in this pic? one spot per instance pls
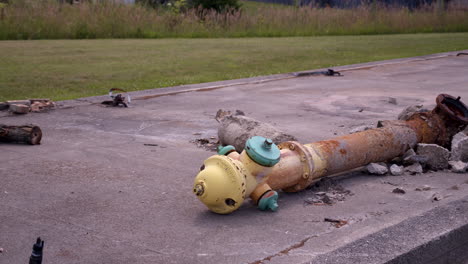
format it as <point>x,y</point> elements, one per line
<point>47,19</point>
<point>66,69</point>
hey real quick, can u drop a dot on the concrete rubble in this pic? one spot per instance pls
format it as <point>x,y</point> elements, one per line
<point>414,169</point>
<point>236,128</point>
<point>396,170</point>
<point>327,191</point>
<point>437,156</point>
<point>26,106</point>
<point>410,110</point>
<point>460,147</point>
<point>458,166</point>
<point>377,169</point>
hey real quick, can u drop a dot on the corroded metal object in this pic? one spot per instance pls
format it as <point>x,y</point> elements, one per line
<point>301,165</point>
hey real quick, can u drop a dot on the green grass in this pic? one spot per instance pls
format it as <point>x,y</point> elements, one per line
<point>66,69</point>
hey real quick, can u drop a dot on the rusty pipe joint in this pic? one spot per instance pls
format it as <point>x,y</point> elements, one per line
<point>225,181</point>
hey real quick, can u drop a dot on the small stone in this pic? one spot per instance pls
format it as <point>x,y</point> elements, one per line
<point>458,166</point>
<point>361,128</point>
<point>396,170</point>
<point>377,169</point>
<point>436,197</point>
<point>414,169</point>
<point>409,153</point>
<point>460,147</point>
<point>19,108</point>
<point>423,188</point>
<point>392,100</point>
<point>410,110</point>
<point>1,250</point>
<point>399,191</point>
<point>437,156</point>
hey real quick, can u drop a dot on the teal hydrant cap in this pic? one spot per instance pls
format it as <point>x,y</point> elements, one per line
<point>269,201</point>
<point>263,151</point>
<point>226,149</point>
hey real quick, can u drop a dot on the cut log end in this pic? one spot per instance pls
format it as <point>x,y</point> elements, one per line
<point>36,136</point>
<point>27,134</point>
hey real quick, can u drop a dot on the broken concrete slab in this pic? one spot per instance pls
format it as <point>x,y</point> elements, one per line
<point>459,147</point>
<point>235,130</point>
<point>19,108</point>
<point>377,169</point>
<point>437,156</point>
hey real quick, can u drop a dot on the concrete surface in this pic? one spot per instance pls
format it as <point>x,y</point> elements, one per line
<point>96,194</point>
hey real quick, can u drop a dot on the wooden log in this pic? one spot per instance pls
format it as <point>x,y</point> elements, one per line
<point>27,134</point>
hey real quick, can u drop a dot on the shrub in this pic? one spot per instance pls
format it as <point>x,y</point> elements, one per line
<point>217,5</point>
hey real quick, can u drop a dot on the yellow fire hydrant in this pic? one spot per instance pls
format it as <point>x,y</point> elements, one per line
<point>227,179</point>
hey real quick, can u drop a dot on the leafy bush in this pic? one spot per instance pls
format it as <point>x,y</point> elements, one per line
<point>217,5</point>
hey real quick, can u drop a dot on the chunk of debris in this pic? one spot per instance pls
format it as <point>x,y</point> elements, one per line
<point>26,106</point>
<point>392,100</point>
<point>459,147</point>
<point>19,109</point>
<point>336,222</point>
<point>120,99</point>
<point>414,169</point>
<point>377,169</point>
<point>236,129</point>
<point>423,188</point>
<point>410,152</point>
<point>415,159</point>
<point>410,110</point>
<point>437,156</point>
<point>458,166</point>
<point>436,197</point>
<point>320,198</point>
<point>210,144</point>
<point>396,170</point>
<point>39,105</point>
<point>361,128</point>
<point>399,191</point>
<point>327,191</point>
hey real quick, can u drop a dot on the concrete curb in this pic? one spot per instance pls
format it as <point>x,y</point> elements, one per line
<point>158,92</point>
<point>437,236</point>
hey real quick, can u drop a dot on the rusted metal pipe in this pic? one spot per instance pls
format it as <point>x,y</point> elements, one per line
<point>301,165</point>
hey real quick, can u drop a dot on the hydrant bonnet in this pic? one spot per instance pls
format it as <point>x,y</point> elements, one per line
<point>263,151</point>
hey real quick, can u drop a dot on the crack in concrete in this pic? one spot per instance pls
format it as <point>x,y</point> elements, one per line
<point>284,251</point>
